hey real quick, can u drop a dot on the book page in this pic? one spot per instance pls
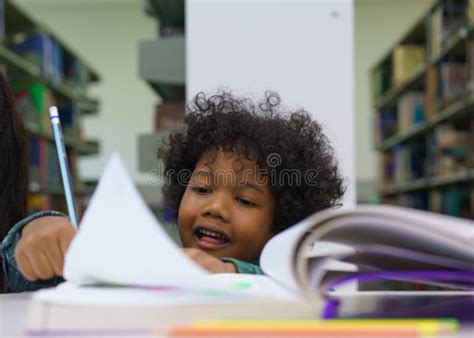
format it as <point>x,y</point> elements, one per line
<point>120,242</point>
<point>419,231</point>
<point>219,288</point>
<point>278,255</point>
<point>407,238</point>
<point>285,257</point>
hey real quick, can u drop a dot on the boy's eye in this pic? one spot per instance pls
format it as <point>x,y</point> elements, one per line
<point>201,190</point>
<point>246,202</point>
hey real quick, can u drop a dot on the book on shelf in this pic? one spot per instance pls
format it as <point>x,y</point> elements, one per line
<point>417,200</point>
<point>407,60</point>
<point>430,167</point>
<point>470,11</point>
<point>386,169</point>
<point>33,100</point>
<point>76,74</point>
<point>470,65</point>
<point>455,202</point>
<point>44,72</point>
<point>410,110</point>
<point>372,243</point>
<point>453,81</point>
<point>381,80</point>
<point>431,92</point>
<point>57,65</point>
<point>42,50</point>
<point>435,28</point>
<point>70,122</point>
<point>44,167</point>
<point>386,123</point>
<point>451,149</point>
<point>454,16</point>
<point>409,162</point>
<point>44,170</point>
<point>447,136</point>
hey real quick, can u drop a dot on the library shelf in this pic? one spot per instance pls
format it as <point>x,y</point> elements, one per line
<point>44,70</point>
<point>423,102</point>
<point>455,110</point>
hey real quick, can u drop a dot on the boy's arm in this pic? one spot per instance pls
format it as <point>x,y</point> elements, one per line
<point>244,267</point>
<point>16,281</point>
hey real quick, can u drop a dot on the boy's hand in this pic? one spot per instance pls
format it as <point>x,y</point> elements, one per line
<point>43,244</point>
<point>208,262</point>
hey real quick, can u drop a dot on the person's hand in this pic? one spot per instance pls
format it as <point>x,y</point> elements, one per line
<point>208,262</point>
<point>43,244</point>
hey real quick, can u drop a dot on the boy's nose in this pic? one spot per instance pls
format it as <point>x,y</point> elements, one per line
<point>217,208</point>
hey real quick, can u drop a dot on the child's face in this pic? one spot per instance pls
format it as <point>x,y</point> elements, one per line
<point>227,208</point>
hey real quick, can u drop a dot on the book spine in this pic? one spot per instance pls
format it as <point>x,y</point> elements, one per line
<point>407,59</point>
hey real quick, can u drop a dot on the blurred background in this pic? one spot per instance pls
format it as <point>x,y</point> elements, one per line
<point>121,70</point>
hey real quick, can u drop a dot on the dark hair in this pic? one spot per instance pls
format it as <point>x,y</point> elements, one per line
<point>277,140</point>
<point>13,166</point>
<point>13,161</point>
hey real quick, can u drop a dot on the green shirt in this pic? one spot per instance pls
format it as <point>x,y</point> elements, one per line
<point>17,283</point>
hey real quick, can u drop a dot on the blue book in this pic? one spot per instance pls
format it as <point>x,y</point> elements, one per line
<point>58,62</point>
<point>38,48</point>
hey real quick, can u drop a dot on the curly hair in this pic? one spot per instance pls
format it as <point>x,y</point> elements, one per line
<point>278,141</point>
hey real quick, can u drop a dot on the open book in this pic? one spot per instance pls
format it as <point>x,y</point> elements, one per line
<point>120,242</point>
<point>382,242</point>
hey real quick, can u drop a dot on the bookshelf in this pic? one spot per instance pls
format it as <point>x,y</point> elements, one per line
<point>162,66</point>
<point>423,99</point>
<point>43,70</point>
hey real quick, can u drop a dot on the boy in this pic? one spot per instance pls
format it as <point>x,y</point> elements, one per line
<point>238,174</point>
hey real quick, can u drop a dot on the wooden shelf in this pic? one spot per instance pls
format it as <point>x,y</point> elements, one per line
<point>418,184</point>
<point>428,183</point>
<point>421,147</point>
<point>454,179</point>
<point>454,110</point>
<point>87,106</point>
<point>59,191</point>
<point>12,59</point>
<point>461,35</point>
<point>88,148</point>
<point>407,32</point>
<point>82,148</point>
<point>33,72</point>
<point>34,130</point>
<point>68,92</point>
<point>393,93</point>
<point>17,21</point>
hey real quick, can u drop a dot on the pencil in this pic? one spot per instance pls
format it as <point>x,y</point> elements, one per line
<point>63,165</point>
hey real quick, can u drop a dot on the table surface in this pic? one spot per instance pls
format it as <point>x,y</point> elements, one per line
<point>13,312</point>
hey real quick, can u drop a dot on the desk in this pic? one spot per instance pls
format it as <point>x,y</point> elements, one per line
<point>13,314</point>
<point>13,310</point>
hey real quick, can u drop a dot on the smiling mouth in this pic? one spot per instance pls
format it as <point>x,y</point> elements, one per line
<point>210,239</point>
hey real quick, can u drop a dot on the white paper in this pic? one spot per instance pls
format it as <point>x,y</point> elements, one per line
<point>283,256</point>
<point>119,240</point>
<point>278,256</point>
<point>219,288</point>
